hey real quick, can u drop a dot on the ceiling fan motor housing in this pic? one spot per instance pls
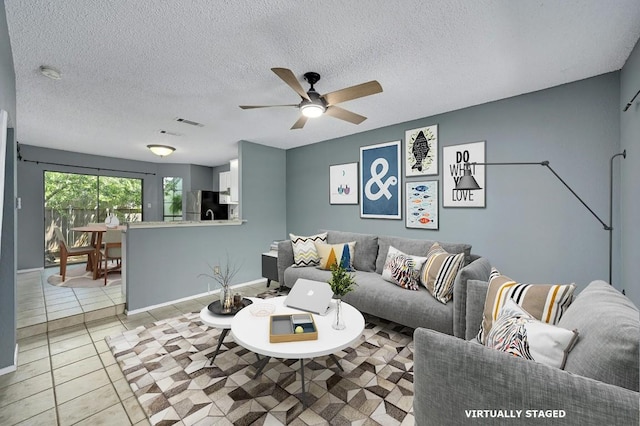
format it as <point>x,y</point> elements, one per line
<point>312,78</point>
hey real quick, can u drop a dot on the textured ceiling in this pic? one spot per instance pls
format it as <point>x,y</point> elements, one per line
<point>130,68</point>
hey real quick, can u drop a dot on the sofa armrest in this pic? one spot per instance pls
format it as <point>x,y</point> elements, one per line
<point>455,381</point>
<point>285,258</point>
<point>479,269</point>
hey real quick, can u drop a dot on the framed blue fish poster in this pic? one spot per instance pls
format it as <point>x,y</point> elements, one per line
<point>421,151</point>
<point>343,183</point>
<point>380,168</point>
<point>422,205</point>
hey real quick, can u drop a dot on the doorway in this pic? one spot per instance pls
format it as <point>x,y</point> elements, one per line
<point>74,199</point>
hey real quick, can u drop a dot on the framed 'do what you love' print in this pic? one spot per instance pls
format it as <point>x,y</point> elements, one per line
<point>380,190</point>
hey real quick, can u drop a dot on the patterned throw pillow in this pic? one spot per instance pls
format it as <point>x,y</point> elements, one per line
<point>304,249</point>
<point>332,254</point>
<point>518,333</point>
<point>546,302</point>
<point>402,269</point>
<point>439,272</point>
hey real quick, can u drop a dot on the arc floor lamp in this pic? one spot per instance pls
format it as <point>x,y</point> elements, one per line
<point>468,182</point>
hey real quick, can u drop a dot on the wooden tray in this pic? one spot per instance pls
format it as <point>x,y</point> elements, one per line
<point>281,329</point>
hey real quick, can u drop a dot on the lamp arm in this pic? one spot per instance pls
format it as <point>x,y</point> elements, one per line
<point>606,227</point>
<point>546,164</point>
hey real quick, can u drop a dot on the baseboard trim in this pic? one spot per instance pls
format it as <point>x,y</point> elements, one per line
<point>22,271</point>
<point>184,299</point>
<point>11,368</point>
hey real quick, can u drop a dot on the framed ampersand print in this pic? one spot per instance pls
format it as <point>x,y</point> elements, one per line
<point>380,172</point>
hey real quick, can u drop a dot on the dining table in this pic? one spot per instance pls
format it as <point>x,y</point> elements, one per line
<point>97,231</point>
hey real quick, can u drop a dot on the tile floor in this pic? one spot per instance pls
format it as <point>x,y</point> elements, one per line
<point>41,307</point>
<point>66,374</point>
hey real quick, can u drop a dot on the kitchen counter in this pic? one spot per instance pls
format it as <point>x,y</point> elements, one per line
<point>185,223</point>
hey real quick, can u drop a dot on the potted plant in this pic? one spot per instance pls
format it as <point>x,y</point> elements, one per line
<point>341,282</point>
<point>223,275</point>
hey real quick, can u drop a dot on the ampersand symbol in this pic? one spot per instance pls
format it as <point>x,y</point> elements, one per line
<point>376,178</point>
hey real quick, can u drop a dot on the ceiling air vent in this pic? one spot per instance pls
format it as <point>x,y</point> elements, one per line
<point>192,123</point>
<point>166,132</point>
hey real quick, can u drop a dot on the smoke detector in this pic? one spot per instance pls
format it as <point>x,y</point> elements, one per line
<point>50,72</point>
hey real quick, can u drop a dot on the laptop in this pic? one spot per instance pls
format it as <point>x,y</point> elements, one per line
<point>310,296</point>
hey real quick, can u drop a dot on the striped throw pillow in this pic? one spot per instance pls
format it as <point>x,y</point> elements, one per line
<point>545,302</point>
<point>439,272</point>
<point>304,249</point>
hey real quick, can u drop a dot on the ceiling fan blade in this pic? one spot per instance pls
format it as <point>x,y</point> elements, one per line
<point>354,92</point>
<point>345,115</point>
<point>300,123</point>
<point>288,77</point>
<point>266,106</point>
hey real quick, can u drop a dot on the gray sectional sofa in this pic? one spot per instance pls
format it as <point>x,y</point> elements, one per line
<point>381,298</point>
<point>462,382</point>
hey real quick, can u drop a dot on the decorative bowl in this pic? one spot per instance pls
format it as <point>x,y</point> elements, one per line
<point>262,309</point>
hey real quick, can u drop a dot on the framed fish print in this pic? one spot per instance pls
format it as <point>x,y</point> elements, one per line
<point>343,184</point>
<point>380,192</point>
<point>454,159</point>
<point>421,207</point>
<point>421,151</point>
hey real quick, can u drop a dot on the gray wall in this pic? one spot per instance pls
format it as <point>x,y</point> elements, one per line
<point>532,228</point>
<point>156,276</point>
<point>8,248</point>
<point>202,178</point>
<point>630,175</point>
<point>31,189</point>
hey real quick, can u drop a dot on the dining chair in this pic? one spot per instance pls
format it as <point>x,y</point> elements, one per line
<point>111,250</point>
<point>66,251</point>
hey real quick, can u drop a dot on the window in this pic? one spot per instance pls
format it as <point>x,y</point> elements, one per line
<point>172,203</point>
<point>72,200</point>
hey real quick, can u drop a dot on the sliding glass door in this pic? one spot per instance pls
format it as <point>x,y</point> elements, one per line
<point>72,200</point>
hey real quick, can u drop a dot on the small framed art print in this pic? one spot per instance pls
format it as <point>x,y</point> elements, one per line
<point>421,206</point>
<point>343,183</point>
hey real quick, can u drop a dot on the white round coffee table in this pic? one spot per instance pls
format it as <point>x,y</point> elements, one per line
<point>222,322</point>
<point>252,332</point>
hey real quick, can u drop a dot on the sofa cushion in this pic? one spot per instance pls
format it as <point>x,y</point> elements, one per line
<point>546,302</point>
<point>366,251</point>
<point>609,327</point>
<point>518,333</point>
<point>439,272</point>
<point>304,249</point>
<point>333,254</point>
<point>402,269</point>
<point>476,294</point>
<point>415,247</point>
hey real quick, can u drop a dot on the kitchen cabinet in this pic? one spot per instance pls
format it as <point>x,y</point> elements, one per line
<point>229,185</point>
<point>224,187</point>
<point>234,183</point>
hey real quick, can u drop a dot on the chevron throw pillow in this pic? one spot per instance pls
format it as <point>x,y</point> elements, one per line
<point>304,249</point>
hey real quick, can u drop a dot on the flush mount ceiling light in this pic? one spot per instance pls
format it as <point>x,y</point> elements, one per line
<point>161,150</point>
<point>50,72</point>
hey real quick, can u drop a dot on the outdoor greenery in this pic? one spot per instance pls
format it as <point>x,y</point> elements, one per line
<point>66,193</point>
<point>172,188</point>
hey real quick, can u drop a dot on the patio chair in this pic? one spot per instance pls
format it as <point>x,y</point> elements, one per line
<point>66,251</point>
<point>111,250</point>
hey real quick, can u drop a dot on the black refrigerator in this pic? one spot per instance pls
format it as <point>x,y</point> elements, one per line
<point>205,205</point>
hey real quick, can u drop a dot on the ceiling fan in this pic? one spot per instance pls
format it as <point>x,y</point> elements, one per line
<point>314,105</point>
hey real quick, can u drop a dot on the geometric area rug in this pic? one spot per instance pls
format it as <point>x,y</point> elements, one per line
<point>166,366</point>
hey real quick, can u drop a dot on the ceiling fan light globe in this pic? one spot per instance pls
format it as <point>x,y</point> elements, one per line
<point>312,110</point>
